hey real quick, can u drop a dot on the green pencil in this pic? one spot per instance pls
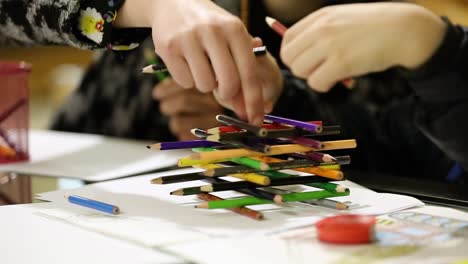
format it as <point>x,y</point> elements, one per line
<point>246,161</point>
<point>328,186</point>
<point>290,197</point>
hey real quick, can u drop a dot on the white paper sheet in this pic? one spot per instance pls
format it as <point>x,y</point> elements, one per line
<point>27,238</point>
<point>90,157</point>
<point>153,207</point>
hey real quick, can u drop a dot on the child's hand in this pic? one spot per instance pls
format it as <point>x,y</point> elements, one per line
<point>344,41</point>
<point>186,109</point>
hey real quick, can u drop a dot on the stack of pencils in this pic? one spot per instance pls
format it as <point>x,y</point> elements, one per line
<point>281,152</point>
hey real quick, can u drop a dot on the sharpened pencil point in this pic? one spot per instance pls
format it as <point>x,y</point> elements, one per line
<point>269,21</point>
<point>341,206</point>
<point>341,188</point>
<point>202,206</point>
<point>157,181</point>
<point>278,199</point>
<point>178,192</point>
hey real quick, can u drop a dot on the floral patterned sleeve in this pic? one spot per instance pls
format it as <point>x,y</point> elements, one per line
<point>84,24</point>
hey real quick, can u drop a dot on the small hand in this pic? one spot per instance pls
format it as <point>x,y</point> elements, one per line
<point>186,109</point>
<point>344,41</point>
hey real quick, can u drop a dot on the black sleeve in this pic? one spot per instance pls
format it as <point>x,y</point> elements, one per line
<point>441,89</point>
<point>84,24</point>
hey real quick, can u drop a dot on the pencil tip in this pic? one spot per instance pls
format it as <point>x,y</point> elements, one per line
<point>147,69</point>
<point>157,181</point>
<point>278,199</point>
<point>269,20</point>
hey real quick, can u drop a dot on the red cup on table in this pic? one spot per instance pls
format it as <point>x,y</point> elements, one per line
<point>14,111</point>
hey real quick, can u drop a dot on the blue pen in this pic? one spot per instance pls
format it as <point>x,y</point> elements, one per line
<point>100,206</point>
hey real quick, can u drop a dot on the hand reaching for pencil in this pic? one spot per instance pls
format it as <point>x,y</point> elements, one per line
<point>270,77</point>
<point>344,41</point>
<point>186,109</point>
<point>203,46</point>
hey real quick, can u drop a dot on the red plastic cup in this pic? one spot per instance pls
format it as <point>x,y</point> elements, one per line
<point>14,111</point>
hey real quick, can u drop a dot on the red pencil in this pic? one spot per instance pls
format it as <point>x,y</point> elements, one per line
<point>276,25</point>
<point>240,210</point>
<point>281,30</point>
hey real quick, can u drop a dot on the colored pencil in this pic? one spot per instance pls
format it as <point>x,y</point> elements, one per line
<point>246,161</point>
<point>263,194</point>
<point>281,29</point>
<point>276,26</point>
<point>183,145</point>
<point>275,150</point>
<point>291,197</point>
<point>200,133</point>
<point>93,204</point>
<point>250,177</point>
<point>307,142</point>
<point>161,67</point>
<point>241,135</point>
<point>227,129</point>
<point>178,178</point>
<point>258,131</point>
<point>187,162</point>
<point>331,174</point>
<point>317,156</point>
<point>329,186</point>
<point>297,124</point>
<point>7,152</point>
<point>290,164</point>
<point>229,186</point>
<point>187,191</point>
<point>239,210</point>
<point>327,203</point>
<point>320,202</point>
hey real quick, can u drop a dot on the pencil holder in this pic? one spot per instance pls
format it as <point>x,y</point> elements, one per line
<point>14,111</point>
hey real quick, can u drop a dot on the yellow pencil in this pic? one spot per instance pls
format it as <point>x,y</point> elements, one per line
<point>327,173</point>
<point>251,177</point>
<point>275,150</point>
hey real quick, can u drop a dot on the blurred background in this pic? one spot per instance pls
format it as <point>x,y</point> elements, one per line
<point>58,70</point>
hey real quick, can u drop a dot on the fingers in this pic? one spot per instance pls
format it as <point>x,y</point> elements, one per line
<point>303,24</point>
<point>306,62</point>
<point>291,50</point>
<point>227,76</point>
<point>327,75</point>
<point>178,67</point>
<point>251,89</point>
<point>195,54</point>
<point>166,88</point>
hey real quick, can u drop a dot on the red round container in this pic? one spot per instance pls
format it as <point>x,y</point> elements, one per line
<point>14,111</point>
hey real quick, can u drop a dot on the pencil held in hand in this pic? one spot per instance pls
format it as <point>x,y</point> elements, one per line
<point>281,29</point>
<point>161,67</point>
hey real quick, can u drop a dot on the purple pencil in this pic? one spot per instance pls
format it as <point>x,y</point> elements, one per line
<point>298,124</point>
<point>307,142</point>
<point>184,145</point>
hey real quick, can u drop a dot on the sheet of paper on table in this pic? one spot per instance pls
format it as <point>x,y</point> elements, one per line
<point>90,157</point>
<point>28,238</point>
<point>152,217</point>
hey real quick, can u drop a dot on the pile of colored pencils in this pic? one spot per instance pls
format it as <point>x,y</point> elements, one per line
<point>240,150</point>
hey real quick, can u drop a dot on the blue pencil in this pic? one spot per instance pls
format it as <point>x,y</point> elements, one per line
<point>100,206</point>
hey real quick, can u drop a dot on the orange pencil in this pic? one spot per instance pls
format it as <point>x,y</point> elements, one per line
<point>240,210</point>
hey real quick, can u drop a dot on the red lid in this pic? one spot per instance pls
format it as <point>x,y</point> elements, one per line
<point>14,67</point>
<point>346,229</point>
